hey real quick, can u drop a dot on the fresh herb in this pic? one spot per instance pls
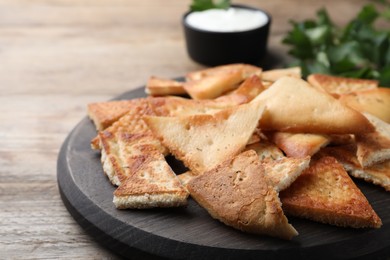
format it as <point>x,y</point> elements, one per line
<point>358,50</point>
<point>201,5</point>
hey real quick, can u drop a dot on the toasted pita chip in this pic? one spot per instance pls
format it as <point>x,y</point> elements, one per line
<point>104,114</point>
<point>275,74</point>
<point>374,147</point>
<point>213,82</point>
<point>246,70</point>
<point>280,170</point>
<point>298,145</point>
<point>294,106</point>
<point>178,106</point>
<point>247,91</point>
<point>204,141</point>
<point>124,144</point>
<point>378,174</point>
<point>131,122</point>
<point>336,85</point>
<point>284,171</point>
<point>157,86</point>
<point>213,86</point>
<point>237,193</point>
<point>154,184</point>
<point>123,154</point>
<point>373,101</point>
<point>325,193</point>
<point>344,154</point>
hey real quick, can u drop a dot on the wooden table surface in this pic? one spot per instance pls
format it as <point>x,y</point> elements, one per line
<point>58,56</point>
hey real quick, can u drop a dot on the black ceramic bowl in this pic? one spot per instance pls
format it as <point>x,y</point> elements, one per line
<point>217,48</point>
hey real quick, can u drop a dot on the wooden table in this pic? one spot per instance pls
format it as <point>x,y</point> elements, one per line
<point>58,56</point>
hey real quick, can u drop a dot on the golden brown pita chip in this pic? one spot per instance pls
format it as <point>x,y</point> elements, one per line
<point>325,193</point>
<point>124,144</point>
<point>104,114</point>
<point>247,91</point>
<point>245,69</point>
<point>374,147</point>
<point>373,101</point>
<point>237,193</point>
<point>154,184</point>
<point>336,85</point>
<point>298,145</point>
<point>123,154</point>
<point>203,141</point>
<point>284,171</point>
<point>378,174</point>
<point>178,106</point>
<point>157,86</point>
<point>275,74</point>
<point>280,170</point>
<point>294,106</point>
<point>213,86</point>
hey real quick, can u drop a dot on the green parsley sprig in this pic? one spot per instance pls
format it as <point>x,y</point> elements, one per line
<point>358,50</point>
<point>201,5</point>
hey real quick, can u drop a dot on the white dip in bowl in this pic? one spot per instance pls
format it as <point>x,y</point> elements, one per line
<point>234,19</point>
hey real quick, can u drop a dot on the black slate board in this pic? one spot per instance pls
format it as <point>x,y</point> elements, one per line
<point>190,233</point>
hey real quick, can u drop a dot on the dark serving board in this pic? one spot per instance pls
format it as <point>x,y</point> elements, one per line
<point>189,232</point>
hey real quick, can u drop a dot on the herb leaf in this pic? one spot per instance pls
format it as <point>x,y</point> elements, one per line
<point>356,50</point>
<point>201,5</point>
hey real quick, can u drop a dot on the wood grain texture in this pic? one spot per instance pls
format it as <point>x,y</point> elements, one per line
<point>57,56</point>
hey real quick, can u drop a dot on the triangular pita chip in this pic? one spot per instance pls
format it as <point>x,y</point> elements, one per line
<point>373,101</point>
<point>284,171</point>
<point>275,74</point>
<point>378,174</point>
<point>280,170</point>
<point>294,106</point>
<point>154,184</point>
<point>104,114</point>
<point>325,193</point>
<point>336,85</point>
<point>213,86</point>
<point>157,86</point>
<point>178,106</point>
<point>213,82</point>
<point>247,91</point>
<point>204,141</point>
<point>374,147</point>
<point>237,193</point>
<point>298,145</point>
<point>131,122</point>
<point>124,144</point>
<point>123,154</point>
<point>245,69</point>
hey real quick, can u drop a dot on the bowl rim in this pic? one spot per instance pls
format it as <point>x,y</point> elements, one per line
<point>267,24</point>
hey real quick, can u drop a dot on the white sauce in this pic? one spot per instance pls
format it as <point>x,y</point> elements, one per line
<point>231,20</point>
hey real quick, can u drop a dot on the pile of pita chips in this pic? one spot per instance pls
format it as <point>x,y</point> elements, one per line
<point>246,136</point>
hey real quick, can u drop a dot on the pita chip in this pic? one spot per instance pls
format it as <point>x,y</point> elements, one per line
<point>295,106</point>
<point>325,193</point>
<point>203,141</point>
<point>237,193</point>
